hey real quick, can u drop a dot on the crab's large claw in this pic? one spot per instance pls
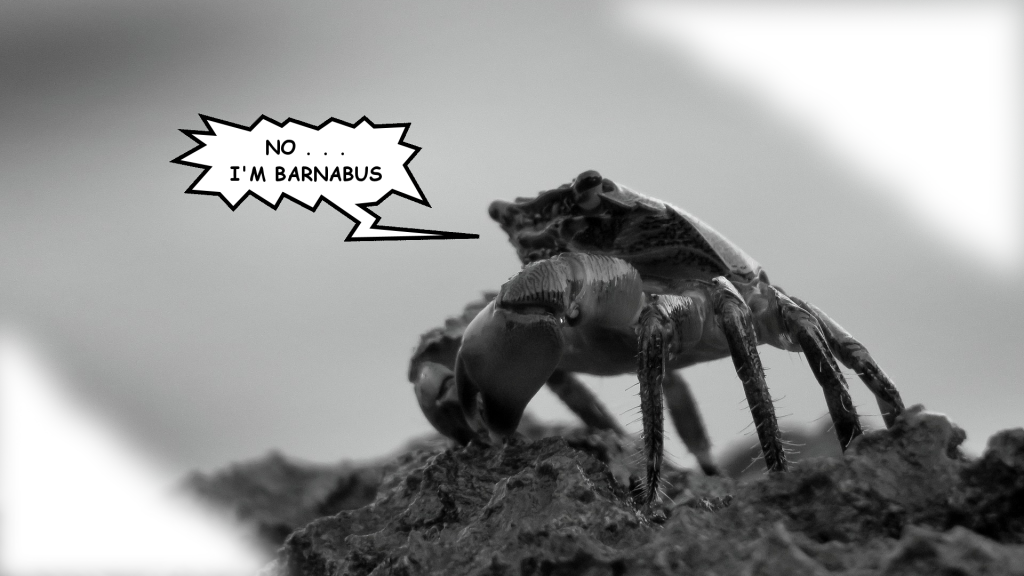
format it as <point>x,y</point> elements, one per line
<point>515,344</point>
<point>505,358</point>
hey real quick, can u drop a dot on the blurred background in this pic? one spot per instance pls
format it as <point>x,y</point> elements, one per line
<point>866,154</point>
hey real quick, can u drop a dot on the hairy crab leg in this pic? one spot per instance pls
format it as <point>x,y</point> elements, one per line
<point>669,325</point>
<point>737,323</point>
<point>583,402</point>
<point>688,421</point>
<point>654,328</point>
<point>802,326</point>
<point>855,356</point>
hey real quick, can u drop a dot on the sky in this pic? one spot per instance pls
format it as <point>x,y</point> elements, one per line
<point>208,336</point>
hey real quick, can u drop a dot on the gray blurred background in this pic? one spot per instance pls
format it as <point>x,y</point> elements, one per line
<point>210,336</point>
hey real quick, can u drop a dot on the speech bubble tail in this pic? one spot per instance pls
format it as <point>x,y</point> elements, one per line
<point>367,229</point>
<point>392,233</point>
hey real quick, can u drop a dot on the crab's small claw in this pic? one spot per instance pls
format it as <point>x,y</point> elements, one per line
<point>505,358</point>
<point>439,401</point>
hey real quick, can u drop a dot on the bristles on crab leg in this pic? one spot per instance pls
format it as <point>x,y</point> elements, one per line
<point>651,332</point>
<point>739,333</point>
<point>856,357</point>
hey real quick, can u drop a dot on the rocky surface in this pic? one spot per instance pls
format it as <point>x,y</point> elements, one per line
<point>901,501</point>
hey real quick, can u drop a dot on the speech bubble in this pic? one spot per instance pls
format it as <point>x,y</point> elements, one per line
<point>349,166</point>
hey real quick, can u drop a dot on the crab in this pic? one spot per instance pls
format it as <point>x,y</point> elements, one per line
<point>431,370</point>
<point>616,282</point>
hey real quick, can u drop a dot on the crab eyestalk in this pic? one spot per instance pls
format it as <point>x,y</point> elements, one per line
<point>506,357</point>
<point>586,188</point>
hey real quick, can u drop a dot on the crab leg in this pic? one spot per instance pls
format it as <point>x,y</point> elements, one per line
<point>856,357</point>
<point>687,419</point>
<point>583,402</point>
<point>669,326</point>
<point>654,328</point>
<point>738,325</point>
<point>802,326</point>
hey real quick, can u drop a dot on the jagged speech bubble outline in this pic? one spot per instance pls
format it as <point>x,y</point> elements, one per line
<point>351,167</point>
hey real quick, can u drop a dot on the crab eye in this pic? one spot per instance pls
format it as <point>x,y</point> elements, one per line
<point>586,190</point>
<point>501,212</point>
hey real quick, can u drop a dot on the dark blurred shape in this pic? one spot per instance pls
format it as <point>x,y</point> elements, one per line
<point>994,501</point>
<point>275,495</point>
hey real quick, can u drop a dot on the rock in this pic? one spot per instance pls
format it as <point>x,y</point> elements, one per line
<point>901,501</point>
<point>275,495</point>
<point>992,502</point>
<point>959,551</point>
<point>887,479</point>
<point>777,554</point>
<point>537,506</point>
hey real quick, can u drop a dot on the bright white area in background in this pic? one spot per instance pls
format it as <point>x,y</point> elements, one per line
<point>923,98</point>
<point>76,499</point>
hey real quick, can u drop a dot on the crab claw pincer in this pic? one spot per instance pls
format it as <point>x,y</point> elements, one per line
<point>506,356</point>
<point>439,401</point>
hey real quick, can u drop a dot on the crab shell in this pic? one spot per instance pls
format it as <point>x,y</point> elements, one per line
<point>594,215</point>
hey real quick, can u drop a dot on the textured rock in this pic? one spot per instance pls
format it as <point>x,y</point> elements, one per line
<point>993,500</point>
<point>901,501</point>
